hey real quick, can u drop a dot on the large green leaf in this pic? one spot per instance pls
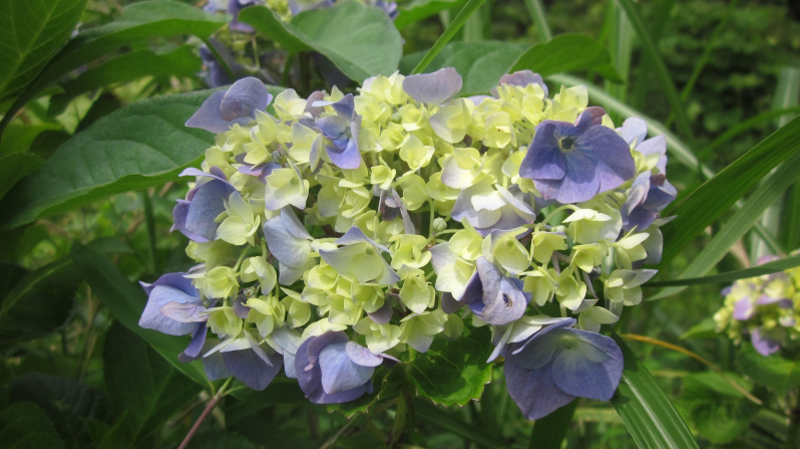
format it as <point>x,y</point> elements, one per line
<point>221,439</point>
<point>66,402</point>
<point>14,167</point>
<point>138,146</point>
<point>568,53</point>
<point>714,197</point>
<point>417,10</point>
<point>140,381</point>
<point>126,302</point>
<point>129,67</point>
<point>373,47</point>
<point>650,417</point>
<point>445,419</point>
<point>40,302</point>
<point>480,64</point>
<point>453,372</point>
<point>715,408</point>
<point>138,21</point>
<point>549,432</point>
<point>24,425</point>
<point>31,32</point>
<point>775,372</point>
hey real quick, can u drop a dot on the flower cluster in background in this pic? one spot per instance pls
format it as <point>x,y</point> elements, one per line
<point>767,308</point>
<point>342,232</point>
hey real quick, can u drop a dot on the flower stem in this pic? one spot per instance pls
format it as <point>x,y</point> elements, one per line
<point>207,411</point>
<point>793,432</point>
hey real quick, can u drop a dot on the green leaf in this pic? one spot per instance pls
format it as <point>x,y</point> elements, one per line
<point>141,145</point>
<point>15,167</point>
<point>221,439</point>
<point>417,10</point>
<point>716,409</point>
<point>549,432</point>
<point>24,425</point>
<point>40,302</point>
<point>443,418</point>
<point>704,329</point>
<point>449,32</point>
<point>775,372</point>
<point>453,372</point>
<point>140,381</point>
<point>480,64</point>
<point>138,21</point>
<point>125,300</point>
<point>18,138</point>
<point>717,195</point>
<point>662,73</point>
<point>568,53</point>
<point>129,67</point>
<point>730,276</point>
<point>66,402</point>
<point>32,31</point>
<point>537,13</point>
<point>650,417</point>
<point>373,47</point>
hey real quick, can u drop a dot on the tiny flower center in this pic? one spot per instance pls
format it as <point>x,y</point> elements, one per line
<point>370,251</point>
<point>566,144</point>
<point>509,243</point>
<point>293,181</point>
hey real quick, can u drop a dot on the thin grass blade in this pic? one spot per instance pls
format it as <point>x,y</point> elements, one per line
<point>452,29</point>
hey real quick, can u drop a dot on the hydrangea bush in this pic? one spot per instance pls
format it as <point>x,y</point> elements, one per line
<point>344,232</point>
<point>765,308</point>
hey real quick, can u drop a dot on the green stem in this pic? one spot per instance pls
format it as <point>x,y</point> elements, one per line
<point>793,432</point>
<point>150,221</point>
<point>452,29</point>
<point>404,420</point>
<point>287,68</point>
<point>536,10</point>
<point>220,59</point>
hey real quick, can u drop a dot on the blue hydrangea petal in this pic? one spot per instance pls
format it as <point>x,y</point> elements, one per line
<point>544,159</point>
<point>250,369</point>
<point>309,374</point>
<point>244,98</point>
<point>362,356</point>
<point>657,144</point>
<point>433,88</point>
<point>185,312</point>
<point>502,300</point>
<point>450,304</point>
<point>580,183</point>
<point>535,392</point>
<point>382,315</point>
<point>590,369</point>
<point>161,294</point>
<point>590,117</point>
<point>333,126</point>
<point>633,130</point>
<point>615,165</point>
<point>234,7</point>
<point>207,117</point>
<point>743,310</point>
<point>763,344</point>
<point>195,348</point>
<point>283,244</point>
<point>346,107</point>
<point>522,78</point>
<point>339,373</point>
<point>213,364</point>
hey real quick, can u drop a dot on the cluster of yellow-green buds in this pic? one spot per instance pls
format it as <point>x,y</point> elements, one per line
<point>765,308</point>
<point>340,231</point>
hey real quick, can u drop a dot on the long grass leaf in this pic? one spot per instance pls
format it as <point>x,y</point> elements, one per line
<point>745,126</point>
<point>449,32</point>
<point>667,85</point>
<point>441,418</point>
<point>714,197</point>
<point>536,10</point>
<point>730,276</point>
<point>649,416</point>
<point>549,432</point>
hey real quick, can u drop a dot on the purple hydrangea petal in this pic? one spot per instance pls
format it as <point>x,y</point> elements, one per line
<point>250,369</point>
<point>743,310</point>
<point>502,299</point>
<point>657,144</point>
<point>234,7</point>
<point>162,292</point>
<point>433,88</point>
<point>450,304</point>
<point>382,315</point>
<point>213,364</point>
<point>207,117</point>
<point>195,348</point>
<point>535,392</point>
<point>339,372</point>
<point>309,374</point>
<point>281,234</point>
<point>244,98</point>
<point>615,164</point>
<point>362,356</point>
<point>590,369</point>
<point>763,344</point>
<point>185,312</point>
<point>633,130</point>
<point>522,78</point>
<point>579,184</point>
<point>544,160</point>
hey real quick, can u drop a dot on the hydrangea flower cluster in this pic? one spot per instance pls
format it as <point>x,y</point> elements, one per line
<point>344,231</point>
<point>767,308</point>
